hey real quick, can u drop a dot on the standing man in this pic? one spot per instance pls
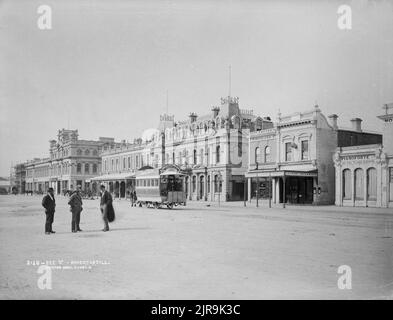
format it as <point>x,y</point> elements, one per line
<point>49,203</point>
<point>75,203</point>
<point>106,207</point>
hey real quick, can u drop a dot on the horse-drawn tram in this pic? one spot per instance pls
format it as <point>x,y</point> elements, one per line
<point>160,187</point>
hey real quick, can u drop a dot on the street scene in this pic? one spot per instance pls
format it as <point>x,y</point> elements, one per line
<point>197,150</point>
<point>201,250</point>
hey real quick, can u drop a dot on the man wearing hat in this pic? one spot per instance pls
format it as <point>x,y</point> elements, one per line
<point>49,203</point>
<point>75,203</point>
<point>108,214</point>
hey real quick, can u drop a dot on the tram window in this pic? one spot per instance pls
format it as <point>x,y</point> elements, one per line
<point>144,182</point>
<point>179,184</point>
<point>156,182</point>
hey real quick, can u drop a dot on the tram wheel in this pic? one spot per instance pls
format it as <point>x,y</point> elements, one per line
<point>170,205</point>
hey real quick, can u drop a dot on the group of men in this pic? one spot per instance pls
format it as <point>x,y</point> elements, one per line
<point>75,202</point>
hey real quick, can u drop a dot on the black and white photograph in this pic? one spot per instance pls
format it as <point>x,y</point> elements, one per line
<point>169,150</point>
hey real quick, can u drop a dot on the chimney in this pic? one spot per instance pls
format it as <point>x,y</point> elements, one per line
<point>333,121</point>
<point>356,124</point>
<point>215,110</point>
<point>193,116</point>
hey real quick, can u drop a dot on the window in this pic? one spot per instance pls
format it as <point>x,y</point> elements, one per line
<point>113,165</point>
<point>78,168</point>
<point>218,154</point>
<point>256,155</point>
<point>347,186</point>
<point>267,154</point>
<point>217,183</point>
<point>87,152</point>
<point>391,183</point>
<point>372,184</point>
<point>288,152</point>
<point>195,157</point>
<point>129,162</point>
<point>194,184</point>
<point>95,152</point>
<point>117,164</point>
<point>359,184</point>
<point>137,162</point>
<point>94,168</point>
<point>87,167</point>
<point>124,163</point>
<point>79,152</point>
<point>208,184</point>
<point>173,157</point>
<point>304,149</point>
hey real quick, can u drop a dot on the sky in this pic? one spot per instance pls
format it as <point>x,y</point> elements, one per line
<point>105,67</point>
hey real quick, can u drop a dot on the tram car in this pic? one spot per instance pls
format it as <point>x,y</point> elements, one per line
<point>160,187</point>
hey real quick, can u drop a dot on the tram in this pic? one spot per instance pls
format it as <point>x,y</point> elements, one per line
<point>160,187</point>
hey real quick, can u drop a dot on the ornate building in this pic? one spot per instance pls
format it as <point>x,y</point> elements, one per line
<point>212,149</point>
<point>71,162</point>
<point>364,174</point>
<point>292,161</point>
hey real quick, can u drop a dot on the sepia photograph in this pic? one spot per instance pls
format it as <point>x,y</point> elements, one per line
<point>170,150</point>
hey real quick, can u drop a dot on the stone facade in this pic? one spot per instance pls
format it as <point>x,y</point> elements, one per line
<point>212,149</point>
<point>364,174</point>
<point>292,162</point>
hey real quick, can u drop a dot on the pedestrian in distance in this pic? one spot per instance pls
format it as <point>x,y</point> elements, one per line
<point>49,203</point>
<point>75,203</point>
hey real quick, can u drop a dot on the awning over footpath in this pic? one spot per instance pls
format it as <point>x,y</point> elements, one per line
<point>115,176</point>
<point>281,173</point>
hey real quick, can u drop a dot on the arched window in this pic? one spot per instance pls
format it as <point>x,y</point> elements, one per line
<point>194,184</point>
<point>359,184</point>
<point>87,167</point>
<point>256,155</point>
<point>218,150</point>
<point>78,168</point>
<point>372,184</point>
<point>267,154</point>
<point>208,184</point>
<point>347,184</point>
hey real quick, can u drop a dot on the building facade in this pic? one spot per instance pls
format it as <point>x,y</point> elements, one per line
<point>292,161</point>
<point>211,149</point>
<point>71,162</point>
<point>364,174</point>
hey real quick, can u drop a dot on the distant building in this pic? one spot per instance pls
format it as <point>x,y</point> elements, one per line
<point>292,161</point>
<point>5,185</point>
<point>364,173</point>
<point>71,162</point>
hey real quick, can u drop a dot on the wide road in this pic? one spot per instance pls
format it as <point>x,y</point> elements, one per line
<point>201,251</point>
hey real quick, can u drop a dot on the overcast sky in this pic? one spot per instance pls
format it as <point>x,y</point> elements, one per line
<point>105,66</point>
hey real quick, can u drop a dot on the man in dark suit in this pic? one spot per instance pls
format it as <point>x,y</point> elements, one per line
<point>75,203</point>
<point>49,203</point>
<point>106,206</point>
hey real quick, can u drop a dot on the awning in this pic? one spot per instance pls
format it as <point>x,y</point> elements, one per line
<point>281,173</point>
<point>114,176</point>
